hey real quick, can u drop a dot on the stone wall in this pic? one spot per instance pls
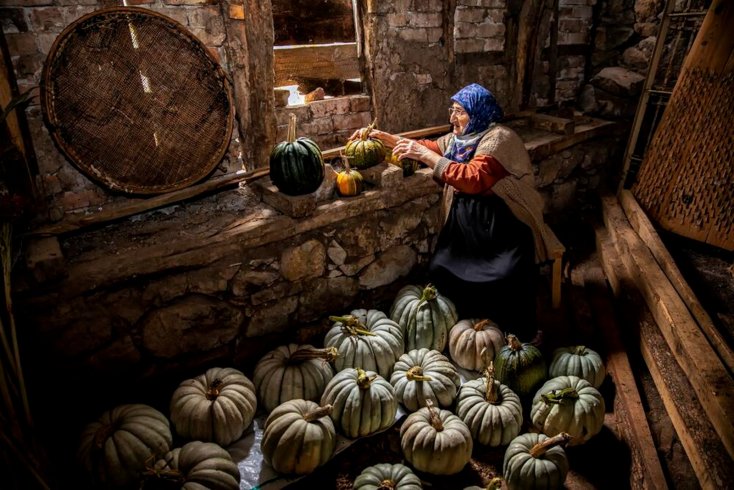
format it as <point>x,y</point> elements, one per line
<point>417,54</point>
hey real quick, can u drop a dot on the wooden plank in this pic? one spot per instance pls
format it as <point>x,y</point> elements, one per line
<point>646,469</point>
<point>710,380</point>
<point>644,228</point>
<point>553,124</point>
<point>704,449</point>
<point>583,132</point>
<point>132,207</point>
<point>336,61</point>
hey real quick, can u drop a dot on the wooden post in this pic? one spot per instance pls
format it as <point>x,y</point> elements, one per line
<point>249,47</point>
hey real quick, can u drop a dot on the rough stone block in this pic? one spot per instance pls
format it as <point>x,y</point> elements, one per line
<point>293,206</point>
<point>383,175</point>
<point>45,260</point>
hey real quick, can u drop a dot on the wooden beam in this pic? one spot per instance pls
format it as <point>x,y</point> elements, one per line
<point>704,449</point>
<point>646,471</point>
<point>553,124</point>
<point>132,207</point>
<point>336,61</point>
<point>710,380</point>
<point>645,229</point>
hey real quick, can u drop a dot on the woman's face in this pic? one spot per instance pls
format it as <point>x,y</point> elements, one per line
<point>459,118</point>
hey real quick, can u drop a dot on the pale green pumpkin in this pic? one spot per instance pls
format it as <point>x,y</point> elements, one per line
<point>568,404</point>
<point>365,339</point>
<point>425,317</point>
<point>115,448</point>
<point>435,441</point>
<point>578,360</point>
<point>387,476</point>
<point>535,462</point>
<point>292,371</point>
<point>195,466</point>
<point>299,437</point>
<point>364,402</point>
<point>491,410</point>
<point>216,406</point>
<point>422,375</point>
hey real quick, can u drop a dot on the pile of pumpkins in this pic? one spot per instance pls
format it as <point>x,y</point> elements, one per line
<point>297,164</point>
<point>371,363</point>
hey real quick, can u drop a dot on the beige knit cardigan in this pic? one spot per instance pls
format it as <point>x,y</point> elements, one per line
<point>517,189</point>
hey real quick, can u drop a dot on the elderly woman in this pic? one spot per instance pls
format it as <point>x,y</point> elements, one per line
<point>486,254</point>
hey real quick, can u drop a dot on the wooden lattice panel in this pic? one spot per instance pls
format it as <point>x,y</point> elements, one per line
<point>136,101</point>
<point>686,182</point>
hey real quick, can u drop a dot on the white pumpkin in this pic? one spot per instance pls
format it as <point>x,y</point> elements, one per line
<point>292,371</point>
<point>216,406</point>
<point>364,402</point>
<point>365,339</point>
<point>469,338</point>
<point>387,476</point>
<point>535,461</point>
<point>424,374</point>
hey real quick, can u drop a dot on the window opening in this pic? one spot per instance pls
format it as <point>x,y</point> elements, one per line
<point>315,48</point>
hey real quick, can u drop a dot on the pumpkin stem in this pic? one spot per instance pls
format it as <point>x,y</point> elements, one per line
<point>513,342</point>
<point>490,392</point>
<point>580,350</point>
<point>213,392</point>
<point>161,478</point>
<point>318,413</point>
<point>494,484</point>
<point>479,326</point>
<point>366,132</point>
<point>102,434</point>
<point>434,416</point>
<point>364,381</point>
<point>387,485</point>
<point>351,325</point>
<point>429,294</point>
<point>557,396</point>
<point>291,128</point>
<point>416,374</point>
<point>542,447</point>
<point>303,354</point>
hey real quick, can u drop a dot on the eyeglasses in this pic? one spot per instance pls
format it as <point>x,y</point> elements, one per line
<point>458,112</point>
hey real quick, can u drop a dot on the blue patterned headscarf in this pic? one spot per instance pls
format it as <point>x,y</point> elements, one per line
<point>483,111</point>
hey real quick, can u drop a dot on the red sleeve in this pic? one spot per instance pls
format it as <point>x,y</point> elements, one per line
<point>431,145</point>
<point>476,177</point>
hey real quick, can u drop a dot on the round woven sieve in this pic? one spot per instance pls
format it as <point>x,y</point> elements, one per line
<point>135,101</point>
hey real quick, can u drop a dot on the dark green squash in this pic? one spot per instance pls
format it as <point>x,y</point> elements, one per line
<point>296,165</point>
<point>521,367</point>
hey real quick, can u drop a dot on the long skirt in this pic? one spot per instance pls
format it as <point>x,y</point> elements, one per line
<point>485,263</point>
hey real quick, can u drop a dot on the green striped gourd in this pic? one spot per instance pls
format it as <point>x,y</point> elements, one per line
<point>521,367</point>
<point>296,165</point>
<point>578,360</point>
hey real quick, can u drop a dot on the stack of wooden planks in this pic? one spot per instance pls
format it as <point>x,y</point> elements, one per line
<point>689,361</point>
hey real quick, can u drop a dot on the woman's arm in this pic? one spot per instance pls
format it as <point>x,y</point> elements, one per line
<point>475,177</point>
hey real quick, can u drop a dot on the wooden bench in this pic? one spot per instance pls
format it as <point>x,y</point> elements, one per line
<point>555,254</point>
